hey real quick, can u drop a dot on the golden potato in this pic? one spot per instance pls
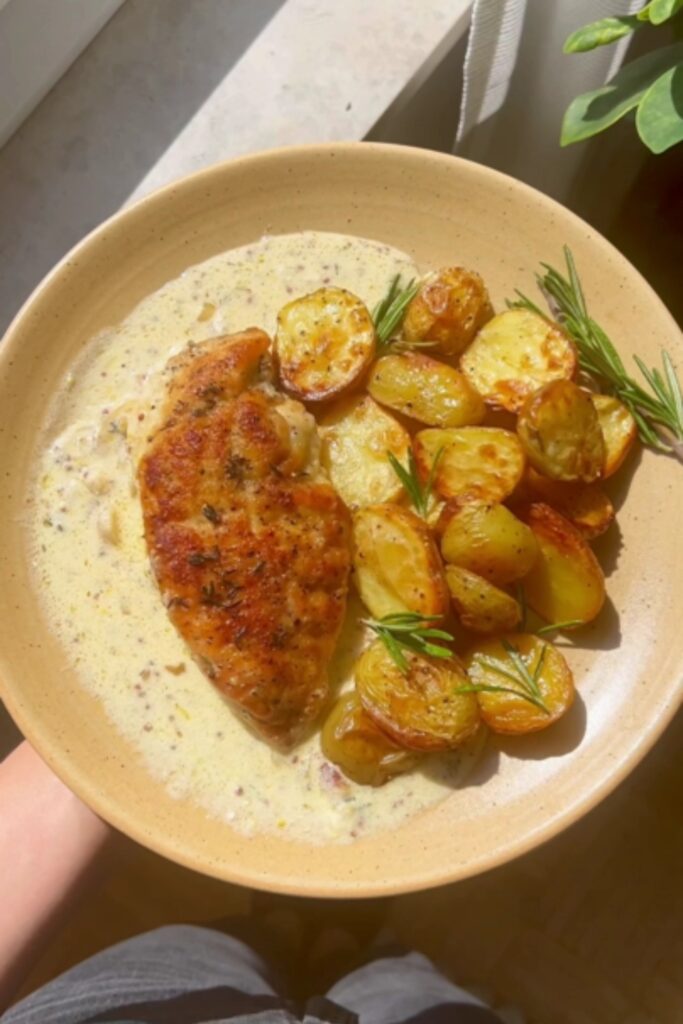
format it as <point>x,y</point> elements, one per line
<point>396,563</point>
<point>450,307</point>
<point>489,540</point>
<point>586,506</point>
<point>619,430</point>
<point>566,582</point>
<point>477,462</point>
<point>323,343</point>
<point>351,740</point>
<point>426,390</point>
<point>435,507</point>
<point>514,354</point>
<point>479,605</point>
<point>356,435</point>
<point>419,708</point>
<point>560,432</point>
<point>496,663</point>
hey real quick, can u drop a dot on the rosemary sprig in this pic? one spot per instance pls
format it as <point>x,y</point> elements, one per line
<point>554,627</point>
<point>411,632</point>
<point>418,492</point>
<point>658,412</point>
<point>389,312</point>
<point>526,682</point>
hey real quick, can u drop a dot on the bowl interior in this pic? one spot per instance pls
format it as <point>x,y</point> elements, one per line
<point>440,210</point>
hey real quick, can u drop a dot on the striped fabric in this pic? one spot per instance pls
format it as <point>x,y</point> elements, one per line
<point>188,975</point>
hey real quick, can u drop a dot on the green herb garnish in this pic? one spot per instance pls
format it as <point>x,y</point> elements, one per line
<point>520,594</point>
<point>419,493</point>
<point>659,412</point>
<point>388,314</point>
<point>411,632</point>
<point>554,627</point>
<point>526,682</point>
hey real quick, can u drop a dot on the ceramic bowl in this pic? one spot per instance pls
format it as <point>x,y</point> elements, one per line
<point>440,210</point>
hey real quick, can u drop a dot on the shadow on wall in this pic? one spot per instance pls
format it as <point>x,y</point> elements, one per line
<point>125,100</point>
<point>426,112</point>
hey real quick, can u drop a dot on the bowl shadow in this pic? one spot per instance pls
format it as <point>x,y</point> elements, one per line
<point>619,485</point>
<point>560,739</point>
<point>603,634</point>
<point>484,758</point>
<point>607,548</point>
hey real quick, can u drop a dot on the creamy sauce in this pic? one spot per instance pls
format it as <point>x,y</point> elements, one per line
<point>95,580</point>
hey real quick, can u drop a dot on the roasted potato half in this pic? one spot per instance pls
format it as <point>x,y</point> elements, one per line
<point>489,540</point>
<point>425,389</point>
<point>492,664</point>
<point>476,462</point>
<point>480,606</point>
<point>586,506</point>
<point>514,354</point>
<point>396,563</point>
<point>323,343</point>
<point>356,435</point>
<point>418,709</point>
<point>566,583</point>
<point>560,432</point>
<point>619,430</point>
<point>352,741</point>
<point>449,308</point>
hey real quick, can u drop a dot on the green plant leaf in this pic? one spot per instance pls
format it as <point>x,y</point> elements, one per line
<point>600,33</point>
<point>659,119</point>
<point>594,111</point>
<point>660,11</point>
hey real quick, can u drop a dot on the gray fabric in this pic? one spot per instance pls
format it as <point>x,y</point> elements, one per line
<point>517,84</point>
<point>188,975</point>
<point>399,989</point>
<point>160,965</point>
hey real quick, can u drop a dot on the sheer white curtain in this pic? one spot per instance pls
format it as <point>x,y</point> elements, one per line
<point>518,83</point>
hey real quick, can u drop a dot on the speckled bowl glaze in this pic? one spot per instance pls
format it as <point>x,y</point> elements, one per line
<point>441,210</point>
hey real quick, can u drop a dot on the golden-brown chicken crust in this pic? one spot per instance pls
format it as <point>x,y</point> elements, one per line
<point>252,556</point>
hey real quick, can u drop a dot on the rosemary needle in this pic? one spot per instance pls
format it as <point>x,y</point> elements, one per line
<point>658,412</point>
<point>526,683</point>
<point>419,493</point>
<point>411,632</point>
<point>557,627</point>
<point>388,314</point>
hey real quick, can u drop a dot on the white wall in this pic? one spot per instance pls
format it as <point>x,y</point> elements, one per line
<point>39,40</point>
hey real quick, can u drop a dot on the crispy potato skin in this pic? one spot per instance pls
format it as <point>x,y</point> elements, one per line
<point>619,431</point>
<point>251,556</point>
<point>489,540</point>
<point>514,354</point>
<point>450,307</point>
<point>419,710</point>
<point>511,715</point>
<point>481,607</point>
<point>356,436</point>
<point>426,390</point>
<point>484,463</point>
<point>560,432</point>
<point>566,581</point>
<point>396,563</point>
<point>586,506</point>
<point>351,740</point>
<point>323,344</point>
